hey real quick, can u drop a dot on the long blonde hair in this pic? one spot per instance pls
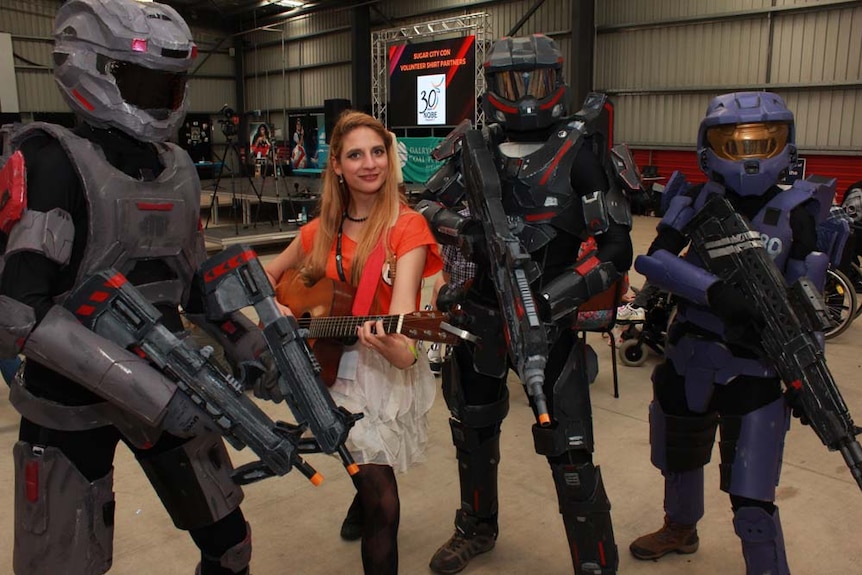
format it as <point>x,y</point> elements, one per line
<point>335,197</point>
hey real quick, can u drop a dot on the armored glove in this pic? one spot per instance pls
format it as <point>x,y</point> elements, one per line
<point>262,376</point>
<point>742,320</point>
<point>791,396</point>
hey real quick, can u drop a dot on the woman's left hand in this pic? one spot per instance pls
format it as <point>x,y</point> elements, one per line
<point>395,347</point>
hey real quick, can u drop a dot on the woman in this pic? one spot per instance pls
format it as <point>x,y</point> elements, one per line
<point>260,146</point>
<point>379,376</point>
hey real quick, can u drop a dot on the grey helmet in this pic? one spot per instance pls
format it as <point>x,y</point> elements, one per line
<point>123,64</point>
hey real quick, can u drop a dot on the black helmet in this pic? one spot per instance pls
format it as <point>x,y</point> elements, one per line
<point>525,88</point>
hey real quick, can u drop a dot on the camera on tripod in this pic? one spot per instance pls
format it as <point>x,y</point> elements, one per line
<point>229,122</point>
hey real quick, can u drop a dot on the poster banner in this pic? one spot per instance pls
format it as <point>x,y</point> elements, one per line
<point>416,161</point>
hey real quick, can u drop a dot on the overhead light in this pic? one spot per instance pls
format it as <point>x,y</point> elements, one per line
<point>291,3</point>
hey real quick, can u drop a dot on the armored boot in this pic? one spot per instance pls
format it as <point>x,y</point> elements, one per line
<point>762,541</point>
<point>683,503</point>
<point>472,537</point>
<point>476,521</point>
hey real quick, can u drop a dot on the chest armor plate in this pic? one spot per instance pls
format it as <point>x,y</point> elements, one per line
<point>132,220</point>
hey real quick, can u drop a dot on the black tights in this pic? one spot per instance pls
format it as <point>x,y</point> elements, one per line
<point>377,497</point>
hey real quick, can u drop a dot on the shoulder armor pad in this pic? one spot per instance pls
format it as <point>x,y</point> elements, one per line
<point>593,105</point>
<point>822,190</point>
<point>676,184</point>
<point>48,233</point>
<point>452,142</point>
<point>13,188</point>
<point>625,169</point>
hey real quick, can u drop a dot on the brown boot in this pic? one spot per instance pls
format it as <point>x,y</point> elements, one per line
<point>671,537</point>
<point>465,544</point>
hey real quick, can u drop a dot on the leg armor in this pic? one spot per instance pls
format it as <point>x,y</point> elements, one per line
<point>63,522</point>
<point>235,560</point>
<point>476,436</point>
<point>680,448</point>
<point>568,445</point>
<point>751,448</point>
<point>762,541</point>
<point>193,480</point>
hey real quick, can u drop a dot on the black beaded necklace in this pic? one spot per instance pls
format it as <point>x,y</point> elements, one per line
<point>352,219</point>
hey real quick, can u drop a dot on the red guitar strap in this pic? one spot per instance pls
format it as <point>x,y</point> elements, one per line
<point>368,282</point>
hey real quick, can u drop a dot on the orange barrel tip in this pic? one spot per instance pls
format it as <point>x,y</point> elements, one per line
<point>544,419</point>
<point>352,469</point>
<point>316,479</point>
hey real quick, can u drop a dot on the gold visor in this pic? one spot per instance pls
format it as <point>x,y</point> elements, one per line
<point>514,85</point>
<point>761,140</point>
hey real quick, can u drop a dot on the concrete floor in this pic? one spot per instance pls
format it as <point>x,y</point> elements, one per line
<point>295,525</point>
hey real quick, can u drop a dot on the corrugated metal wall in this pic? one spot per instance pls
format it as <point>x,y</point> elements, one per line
<point>662,61</point>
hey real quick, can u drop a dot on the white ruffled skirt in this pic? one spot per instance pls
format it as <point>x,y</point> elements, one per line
<point>395,403</point>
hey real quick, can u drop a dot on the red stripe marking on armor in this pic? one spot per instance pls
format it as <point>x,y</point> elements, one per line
<point>116,281</point>
<point>99,296</point>
<point>194,51</point>
<point>232,263</point>
<point>475,499</point>
<point>796,384</point>
<point>576,557</point>
<point>147,445</point>
<point>586,266</point>
<point>85,310</point>
<point>84,102</point>
<point>228,327</point>
<point>501,106</point>
<point>554,162</point>
<point>553,101</point>
<point>31,481</point>
<point>155,206</point>
<point>602,559</point>
<point>540,216</point>
<point>139,352</point>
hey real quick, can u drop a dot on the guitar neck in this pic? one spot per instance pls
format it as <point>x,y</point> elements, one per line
<point>343,327</point>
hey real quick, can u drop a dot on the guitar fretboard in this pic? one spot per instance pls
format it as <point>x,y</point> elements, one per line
<point>345,326</point>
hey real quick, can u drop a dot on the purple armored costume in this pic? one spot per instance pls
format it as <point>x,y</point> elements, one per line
<point>713,376</point>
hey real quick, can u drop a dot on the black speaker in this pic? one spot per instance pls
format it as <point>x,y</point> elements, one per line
<point>331,110</point>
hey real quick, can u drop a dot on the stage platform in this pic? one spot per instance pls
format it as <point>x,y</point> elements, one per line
<point>237,212</point>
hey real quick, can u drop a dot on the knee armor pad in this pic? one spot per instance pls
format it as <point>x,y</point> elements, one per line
<point>680,443</point>
<point>762,540</point>
<point>194,482</point>
<point>751,447</point>
<point>236,559</point>
<point>586,512</point>
<point>64,523</point>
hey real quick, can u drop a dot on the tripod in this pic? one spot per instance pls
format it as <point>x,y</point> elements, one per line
<point>272,156</point>
<point>230,145</point>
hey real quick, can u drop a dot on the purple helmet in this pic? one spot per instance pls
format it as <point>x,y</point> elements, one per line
<point>746,141</point>
<point>123,64</point>
<point>525,88</point>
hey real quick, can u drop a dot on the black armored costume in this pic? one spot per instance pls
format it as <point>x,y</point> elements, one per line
<point>560,184</point>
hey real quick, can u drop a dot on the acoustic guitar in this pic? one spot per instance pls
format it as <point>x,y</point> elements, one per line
<point>323,309</point>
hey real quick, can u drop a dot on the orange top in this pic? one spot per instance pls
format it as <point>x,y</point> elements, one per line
<point>409,232</point>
